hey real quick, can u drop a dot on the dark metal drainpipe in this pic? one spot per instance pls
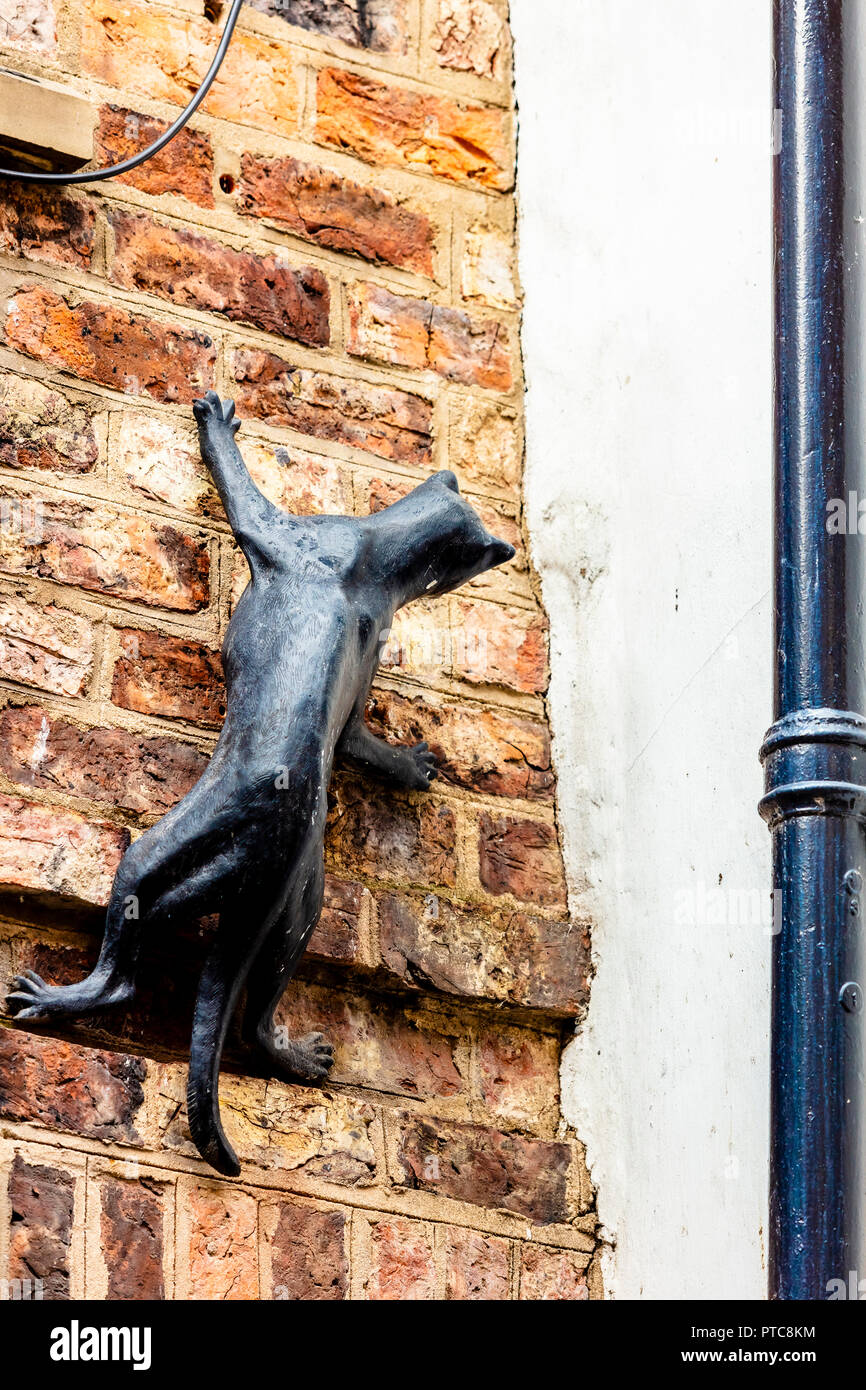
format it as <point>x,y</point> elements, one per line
<point>815,754</point>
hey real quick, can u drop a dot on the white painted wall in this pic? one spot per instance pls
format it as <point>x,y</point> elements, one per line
<point>644,180</point>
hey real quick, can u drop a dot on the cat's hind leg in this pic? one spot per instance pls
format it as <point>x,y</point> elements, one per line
<point>310,1058</point>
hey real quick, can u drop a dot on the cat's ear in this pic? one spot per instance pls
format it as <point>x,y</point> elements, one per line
<point>446,478</point>
<point>499,552</point>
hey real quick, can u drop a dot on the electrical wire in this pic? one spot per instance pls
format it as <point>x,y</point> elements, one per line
<point>112,170</point>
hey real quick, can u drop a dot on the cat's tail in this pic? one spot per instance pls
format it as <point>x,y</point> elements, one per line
<point>214,1006</point>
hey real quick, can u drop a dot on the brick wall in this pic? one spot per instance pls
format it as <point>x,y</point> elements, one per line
<point>332,244</point>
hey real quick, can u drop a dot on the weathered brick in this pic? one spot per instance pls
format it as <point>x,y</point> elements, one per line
<point>132,1219</point>
<point>112,765</point>
<point>335,212</point>
<point>471,36</point>
<point>404,332</point>
<point>485,445</point>
<point>476,1266</point>
<point>508,957</point>
<point>280,1127</point>
<point>483,750</point>
<point>191,269</point>
<point>414,842</point>
<point>164,57</point>
<point>97,548</point>
<point>519,1076</point>
<point>108,345</point>
<point>497,645</point>
<point>29,24</point>
<point>308,1254</point>
<point>553,1275</point>
<point>40,428</point>
<point>521,857</point>
<point>393,424</point>
<point>56,853</point>
<point>223,1254</point>
<point>44,646</point>
<point>485,1167</point>
<point>45,224</point>
<point>170,676</point>
<point>402,1267</point>
<point>487,267</point>
<point>163,462</point>
<point>337,935</point>
<point>423,132</point>
<point>185,167</point>
<point>419,642</point>
<point>380,25</point>
<point>41,1203</point>
<point>96,1095</point>
<point>376,1044</point>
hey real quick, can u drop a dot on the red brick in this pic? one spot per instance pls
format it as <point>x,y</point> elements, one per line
<point>44,646</point>
<point>164,56</point>
<point>553,1275</point>
<point>147,775</point>
<point>191,269</point>
<point>486,447</point>
<point>30,25</point>
<point>507,957</point>
<point>377,1044</point>
<point>40,428</point>
<point>103,343</point>
<point>521,857</point>
<point>422,132</point>
<point>308,1254</point>
<point>316,1133</point>
<point>382,28</point>
<point>184,167</point>
<point>476,1266</point>
<point>54,853</point>
<point>519,1073</point>
<point>495,645</point>
<point>496,753</point>
<point>41,1202</point>
<point>393,424</point>
<point>335,212</point>
<point>44,224</point>
<point>485,1167</point>
<point>403,332</point>
<point>337,933</point>
<point>170,676</point>
<point>223,1254</point>
<point>95,1095</point>
<point>163,462</point>
<point>402,1268</point>
<point>96,548</point>
<point>132,1224</point>
<point>471,36</point>
<point>390,838</point>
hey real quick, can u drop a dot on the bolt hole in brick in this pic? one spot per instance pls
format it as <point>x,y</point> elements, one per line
<point>227,183</point>
<point>212,10</point>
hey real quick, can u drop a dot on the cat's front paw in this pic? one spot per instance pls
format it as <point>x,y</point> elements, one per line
<point>418,767</point>
<point>214,415</point>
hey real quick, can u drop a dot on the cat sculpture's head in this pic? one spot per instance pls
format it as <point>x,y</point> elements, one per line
<point>439,540</point>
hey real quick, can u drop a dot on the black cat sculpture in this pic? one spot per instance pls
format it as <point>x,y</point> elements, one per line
<point>247,841</point>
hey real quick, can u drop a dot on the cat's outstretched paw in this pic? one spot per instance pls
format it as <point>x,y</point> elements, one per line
<point>32,998</point>
<point>417,768</point>
<point>302,1059</point>
<point>214,414</point>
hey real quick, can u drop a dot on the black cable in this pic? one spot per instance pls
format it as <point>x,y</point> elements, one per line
<point>97,175</point>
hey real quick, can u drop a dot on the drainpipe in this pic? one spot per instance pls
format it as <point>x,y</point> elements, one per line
<point>815,753</point>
